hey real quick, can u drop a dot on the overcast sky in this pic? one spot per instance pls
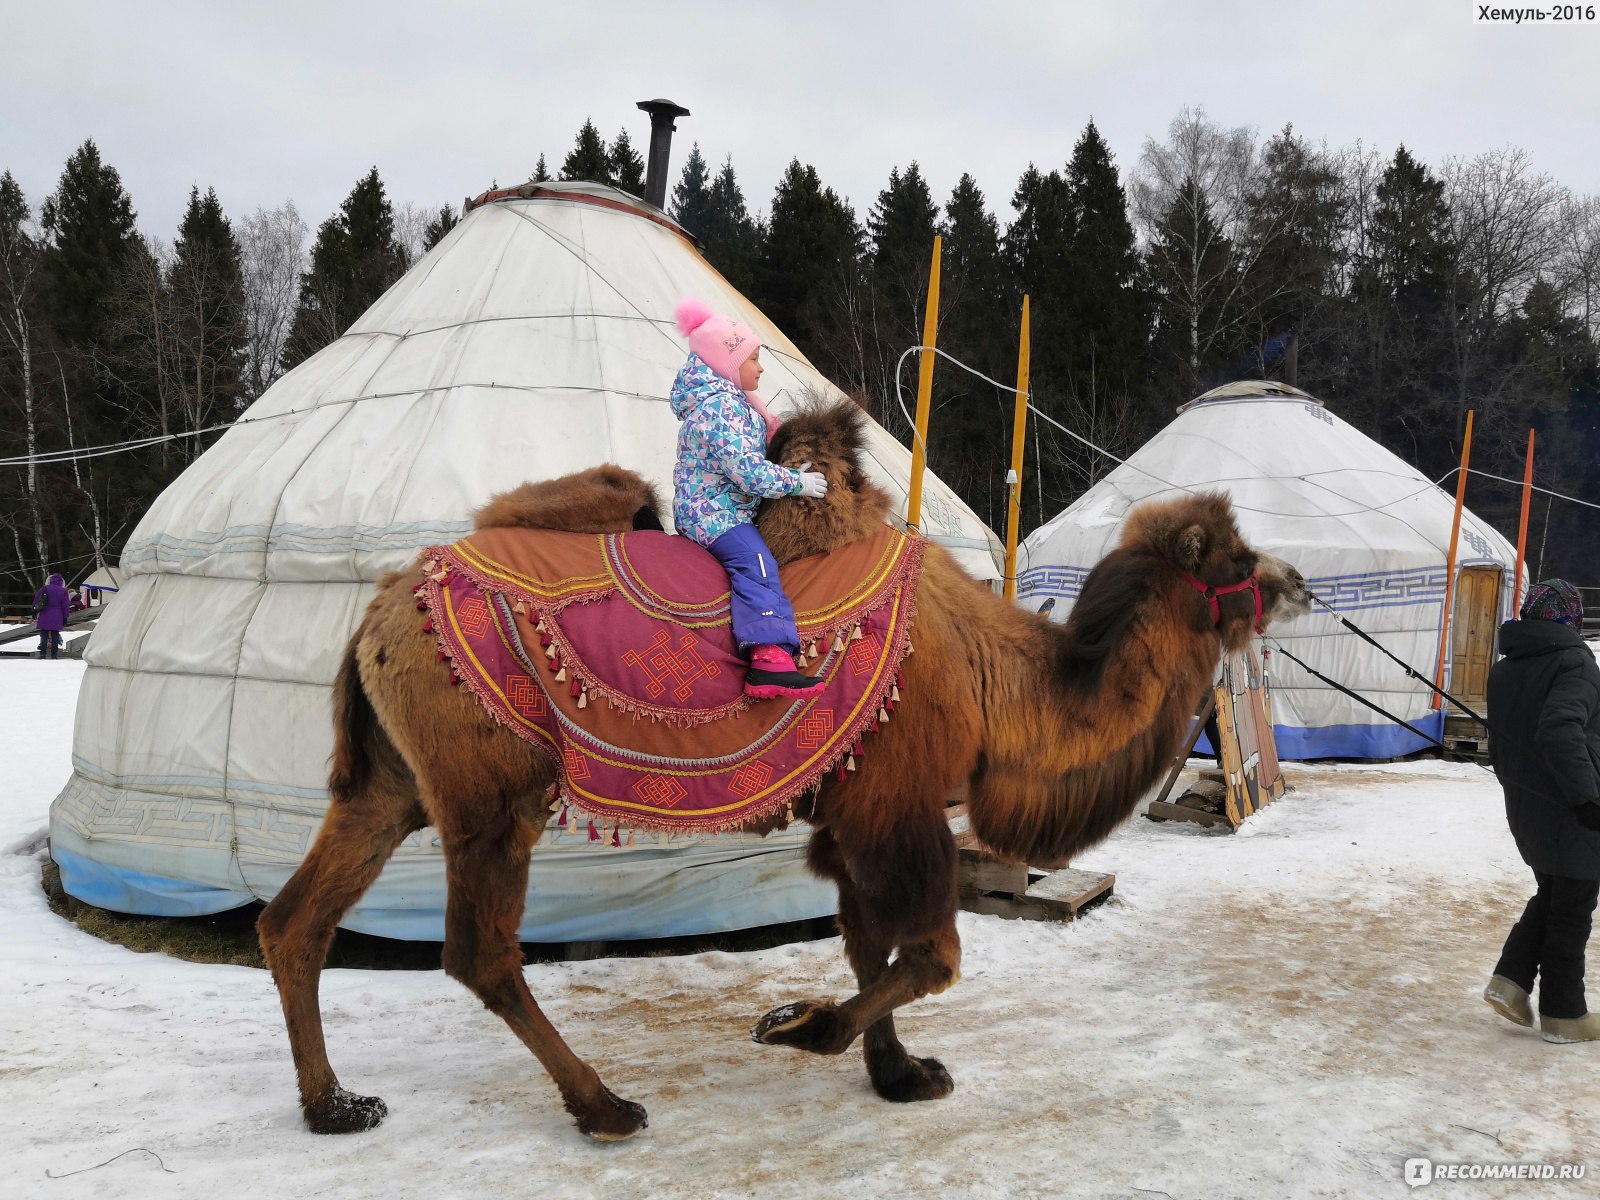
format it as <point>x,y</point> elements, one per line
<point>284,99</point>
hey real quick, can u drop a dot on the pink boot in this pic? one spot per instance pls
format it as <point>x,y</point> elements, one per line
<point>773,676</point>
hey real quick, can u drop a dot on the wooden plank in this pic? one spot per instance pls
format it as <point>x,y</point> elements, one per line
<point>1176,812</point>
<point>979,872</point>
<point>1072,888</point>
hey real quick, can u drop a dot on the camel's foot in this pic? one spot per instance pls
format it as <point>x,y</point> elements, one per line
<point>612,1120</point>
<point>909,1079</point>
<point>344,1112</point>
<point>812,1025</point>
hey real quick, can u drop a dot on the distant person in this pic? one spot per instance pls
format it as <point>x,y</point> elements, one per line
<point>1544,741</point>
<point>51,604</point>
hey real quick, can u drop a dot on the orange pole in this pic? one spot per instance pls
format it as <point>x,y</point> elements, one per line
<point>919,443</point>
<point>1450,560</point>
<point>1522,531</point>
<point>1019,425</point>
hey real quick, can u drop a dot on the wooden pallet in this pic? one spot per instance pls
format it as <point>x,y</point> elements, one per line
<point>1465,736</point>
<point>1016,892</point>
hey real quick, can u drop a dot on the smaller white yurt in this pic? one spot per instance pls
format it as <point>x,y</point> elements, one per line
<point>1369,532</point>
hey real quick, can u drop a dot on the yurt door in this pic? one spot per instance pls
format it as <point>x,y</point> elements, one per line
<point>1475,623</point>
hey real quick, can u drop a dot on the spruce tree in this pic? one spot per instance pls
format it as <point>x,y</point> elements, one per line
<point>729,238</point>
<point>627,168</point>
<point>89,223</point>
<point>810,253</point>
<point>588,159</point>
<point>978,325</point>
<point>691,195</point>
<point>901,225</point>
<point>205,292</point>
<point>355,259</point>
<point>541,173</point>
<point>1294,222</point>
<point>1106,311</point>
<point>442,223</point>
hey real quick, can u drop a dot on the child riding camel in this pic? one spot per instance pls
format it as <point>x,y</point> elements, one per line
<point>721,477</point>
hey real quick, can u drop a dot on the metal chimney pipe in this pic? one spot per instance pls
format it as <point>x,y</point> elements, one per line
<point>662,115</point>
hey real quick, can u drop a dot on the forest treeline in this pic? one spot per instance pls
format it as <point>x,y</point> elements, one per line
<point>1405,294</point>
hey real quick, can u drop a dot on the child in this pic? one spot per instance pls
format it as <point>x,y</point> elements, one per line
<point>722,475</point>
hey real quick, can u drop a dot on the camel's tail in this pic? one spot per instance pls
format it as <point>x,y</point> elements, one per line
<point>354,724</point>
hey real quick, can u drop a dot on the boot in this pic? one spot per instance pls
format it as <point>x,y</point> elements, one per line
<point>1570,1029</point>
<point>773,676</point>
<point>1509,1000</point>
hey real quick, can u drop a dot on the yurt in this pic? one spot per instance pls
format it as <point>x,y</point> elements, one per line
<point>536,339</point>
<point>1368,531</point>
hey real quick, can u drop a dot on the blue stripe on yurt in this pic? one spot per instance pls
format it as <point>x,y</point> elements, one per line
<point>122,890</point>
<point>1346,741</point>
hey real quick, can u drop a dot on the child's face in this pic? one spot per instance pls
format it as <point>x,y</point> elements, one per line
<point>750,371</point>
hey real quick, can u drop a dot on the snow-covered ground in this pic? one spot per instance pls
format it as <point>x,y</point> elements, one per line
<point>1291,1011</point>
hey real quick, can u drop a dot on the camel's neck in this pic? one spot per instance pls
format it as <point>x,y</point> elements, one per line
<point>1079,722</point>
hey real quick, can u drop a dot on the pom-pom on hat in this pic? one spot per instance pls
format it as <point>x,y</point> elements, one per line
<point>1554,600</point>
<point>720,341</point>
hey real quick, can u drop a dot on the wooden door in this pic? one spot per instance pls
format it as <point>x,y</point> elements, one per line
<point>1477,619</point>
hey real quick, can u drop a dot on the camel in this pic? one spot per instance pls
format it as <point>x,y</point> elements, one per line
<point>1053,732</point>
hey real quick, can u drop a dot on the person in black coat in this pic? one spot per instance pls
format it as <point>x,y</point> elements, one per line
<point>1544,741</point>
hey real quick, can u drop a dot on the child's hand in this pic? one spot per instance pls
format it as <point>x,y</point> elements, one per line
<point>813,484</point>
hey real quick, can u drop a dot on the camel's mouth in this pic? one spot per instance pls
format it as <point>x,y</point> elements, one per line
<point>1291,597</point>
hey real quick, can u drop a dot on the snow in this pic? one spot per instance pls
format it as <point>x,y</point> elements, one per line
<point>1290,1011</point>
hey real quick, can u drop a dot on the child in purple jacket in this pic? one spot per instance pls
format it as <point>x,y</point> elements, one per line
<point>721,477</point>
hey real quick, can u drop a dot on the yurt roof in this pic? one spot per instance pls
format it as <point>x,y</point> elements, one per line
<point>536,339</point>
<point>1297,473</point>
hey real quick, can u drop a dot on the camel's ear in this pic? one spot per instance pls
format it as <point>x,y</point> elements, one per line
<point>1192,547</point>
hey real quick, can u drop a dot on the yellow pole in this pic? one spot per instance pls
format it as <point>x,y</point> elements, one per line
<point>919,447</point>
<point>1450,560</point>
<point>1522,530</point>
<point>1019,426</point>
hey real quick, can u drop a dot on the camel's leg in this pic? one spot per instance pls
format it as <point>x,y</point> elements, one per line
<point>486,869</point>
<point>902,894</point>
<point>358,835</point>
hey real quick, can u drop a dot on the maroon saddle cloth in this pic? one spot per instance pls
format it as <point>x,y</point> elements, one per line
<point>614,654</point>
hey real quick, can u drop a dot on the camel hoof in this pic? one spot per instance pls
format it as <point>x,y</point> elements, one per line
<point>345,1112</point>
<point>805,1025</point>
<point>613,1120</point>
<point>914,1079</point>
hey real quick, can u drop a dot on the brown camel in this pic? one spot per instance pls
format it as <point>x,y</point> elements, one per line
<point>1053,732</point>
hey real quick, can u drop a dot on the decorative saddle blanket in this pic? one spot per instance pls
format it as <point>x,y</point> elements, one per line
<point>614,654</point>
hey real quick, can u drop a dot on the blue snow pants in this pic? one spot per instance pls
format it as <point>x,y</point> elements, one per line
<point>762,614</point>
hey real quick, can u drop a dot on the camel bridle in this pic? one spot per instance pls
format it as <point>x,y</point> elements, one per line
<point>1213,595</point>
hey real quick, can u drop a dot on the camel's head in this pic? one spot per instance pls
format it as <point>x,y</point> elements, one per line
<point>830,435</point>
<point>1238,589</point>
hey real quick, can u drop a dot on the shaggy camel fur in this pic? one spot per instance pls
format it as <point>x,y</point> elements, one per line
<point>1053,731</point>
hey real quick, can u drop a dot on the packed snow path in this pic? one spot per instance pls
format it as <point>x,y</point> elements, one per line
<point>1290,1011</point>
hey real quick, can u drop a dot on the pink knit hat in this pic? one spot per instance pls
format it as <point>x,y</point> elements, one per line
<point>721,342</point>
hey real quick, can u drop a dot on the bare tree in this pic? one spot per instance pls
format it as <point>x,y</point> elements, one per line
<point>1578,259</point>
<point>1507,235</point>
<point>1191,199</point>
<point>19,264</point>
<point>272,245</point>
<point>411,223</point>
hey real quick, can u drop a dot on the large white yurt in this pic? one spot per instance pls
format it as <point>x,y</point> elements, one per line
<point>536,339</point>
<point>1368,531</point>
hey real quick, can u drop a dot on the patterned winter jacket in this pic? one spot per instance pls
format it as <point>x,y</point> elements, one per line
<point>722,473</point>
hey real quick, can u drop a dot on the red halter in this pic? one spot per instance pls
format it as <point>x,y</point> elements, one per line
<point>1213,595</point>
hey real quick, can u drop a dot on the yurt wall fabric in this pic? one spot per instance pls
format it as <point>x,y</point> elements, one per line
<point>536,339</point>
<point>1369,532</point>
